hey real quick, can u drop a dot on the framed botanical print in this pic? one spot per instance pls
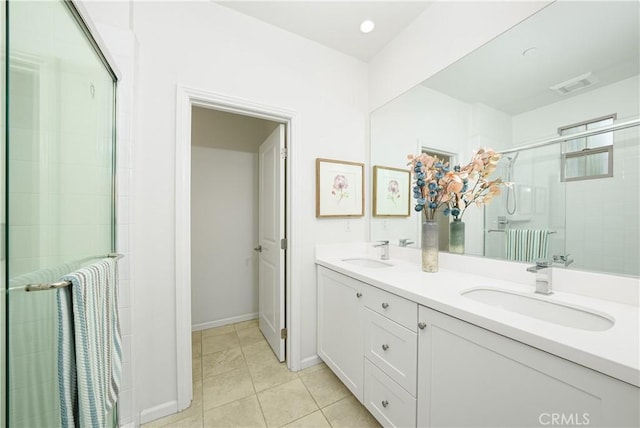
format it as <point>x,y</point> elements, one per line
<point>391,192</point>
<point>339,188</point>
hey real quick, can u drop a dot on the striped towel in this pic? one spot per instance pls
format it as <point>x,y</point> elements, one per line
<point>527,245</point>
<point>89,350</point>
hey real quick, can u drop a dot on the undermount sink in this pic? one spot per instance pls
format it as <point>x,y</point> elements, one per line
<point>368,263</point>
<point>542,309</point>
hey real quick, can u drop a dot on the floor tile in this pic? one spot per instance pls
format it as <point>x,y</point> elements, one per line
<point>196,368</point>
<point>217,331</point>
<point>314,420</point>
<point>240,413</point>
<point>348,412</point>
<point>194,421</point>
<point>259,354</point>
<point>193,414</point>
<point>219,342</point>
<point>222,362</point>
<point>226,387</point>
<point>286,403</point>
<point>250,335</point>
<point>196,344</point>
<point>324,386</point>
<point>312,369</point>
<point>268,375</point>
<point>246,324</point>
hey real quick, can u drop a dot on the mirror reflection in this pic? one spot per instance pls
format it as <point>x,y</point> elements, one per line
<point>541,94</point>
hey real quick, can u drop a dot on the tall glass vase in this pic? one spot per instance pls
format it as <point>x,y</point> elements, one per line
<point>456,236</point>
<point>430,244</point>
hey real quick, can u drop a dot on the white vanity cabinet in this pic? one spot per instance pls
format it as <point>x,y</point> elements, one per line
<point>340,338</point>
<point>471,377</point>
<point>412,366</point>
<point>368,337</point>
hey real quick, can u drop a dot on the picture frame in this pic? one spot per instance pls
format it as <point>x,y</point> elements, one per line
<point>339,188</point>
<point>391,192</point>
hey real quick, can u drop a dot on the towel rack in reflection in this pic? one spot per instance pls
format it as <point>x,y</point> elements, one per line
<point>550,232</point>
<point>62,284</point>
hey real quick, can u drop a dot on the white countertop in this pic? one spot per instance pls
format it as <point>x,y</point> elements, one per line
<point>615,352</point>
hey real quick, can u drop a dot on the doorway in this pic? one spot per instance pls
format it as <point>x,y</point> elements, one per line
<point>224,216</point>
<point>188,100</point>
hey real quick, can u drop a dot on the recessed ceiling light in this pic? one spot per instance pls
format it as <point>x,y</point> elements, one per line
<point>367,26</point>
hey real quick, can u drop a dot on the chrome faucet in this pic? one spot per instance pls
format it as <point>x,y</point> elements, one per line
<point>542,269</point>
<point>404,242</point>
<point>384,246</point>
<point>562,259</point>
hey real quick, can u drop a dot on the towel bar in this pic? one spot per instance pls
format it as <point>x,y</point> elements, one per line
<point>62,284</point>
<point>504,230</point>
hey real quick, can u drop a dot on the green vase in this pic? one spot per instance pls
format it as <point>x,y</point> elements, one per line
<point>430,245</point>
<point>456,236</point>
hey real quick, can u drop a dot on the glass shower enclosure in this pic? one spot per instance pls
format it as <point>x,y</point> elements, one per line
<point>58,188</point>
<point>586,201</point>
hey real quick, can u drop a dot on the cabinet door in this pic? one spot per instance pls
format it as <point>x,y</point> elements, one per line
<point>471,377</point>
<point>340,324</point>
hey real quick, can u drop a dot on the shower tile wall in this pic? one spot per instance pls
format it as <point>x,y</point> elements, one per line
<point>603,230</point>
<point>59,164</point>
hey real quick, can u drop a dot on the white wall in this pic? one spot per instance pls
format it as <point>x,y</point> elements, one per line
<point>208,47</point>
<point>224,218</point>
<point>218,50</point>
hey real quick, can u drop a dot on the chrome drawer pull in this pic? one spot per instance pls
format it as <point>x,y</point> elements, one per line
<point>422,325</point>
<point>385,403</point>
<point>385,347</point>
<point>385,305</point>
<point>358,295</point>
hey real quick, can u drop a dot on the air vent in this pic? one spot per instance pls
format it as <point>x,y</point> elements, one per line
<point>575,84</point>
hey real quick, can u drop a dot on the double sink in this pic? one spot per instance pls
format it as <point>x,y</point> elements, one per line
<point>542,308</point>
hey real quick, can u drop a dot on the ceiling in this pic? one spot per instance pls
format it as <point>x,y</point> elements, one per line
<point>571,39</point>
<point>336,24</point>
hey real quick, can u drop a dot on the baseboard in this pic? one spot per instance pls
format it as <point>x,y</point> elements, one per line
<point>310,361</point>
<point>158,412</point>
<point>224,321</point>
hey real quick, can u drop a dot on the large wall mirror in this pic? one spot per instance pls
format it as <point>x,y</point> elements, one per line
<point>542,94</point>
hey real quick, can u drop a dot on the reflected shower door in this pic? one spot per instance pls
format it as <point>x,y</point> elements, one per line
<point>59,164</point>
<point>535,200</point>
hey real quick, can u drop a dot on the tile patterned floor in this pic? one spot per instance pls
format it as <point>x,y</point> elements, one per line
<point>237,382</point>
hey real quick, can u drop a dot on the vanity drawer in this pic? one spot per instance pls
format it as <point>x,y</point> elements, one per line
<point>392,348</point>
<point>391,405</point>
<point>400,310</point>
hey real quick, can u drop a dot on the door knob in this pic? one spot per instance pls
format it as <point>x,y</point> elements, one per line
<point>258,249</point>
<point>385,347</point>
<point>385,305</point>
<point>358,295</point>
<point>422,325</point>
<point>385,403</point>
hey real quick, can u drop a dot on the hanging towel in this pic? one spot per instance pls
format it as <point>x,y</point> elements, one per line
<point>89,349</point>
<point>527,245</point>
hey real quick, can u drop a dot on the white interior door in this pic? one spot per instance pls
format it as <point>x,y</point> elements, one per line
<point>271,230</point>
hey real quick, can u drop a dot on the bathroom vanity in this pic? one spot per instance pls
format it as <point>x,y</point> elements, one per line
<point>434,350</point>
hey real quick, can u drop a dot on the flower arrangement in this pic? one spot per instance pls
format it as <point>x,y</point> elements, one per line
<point>436,185</point>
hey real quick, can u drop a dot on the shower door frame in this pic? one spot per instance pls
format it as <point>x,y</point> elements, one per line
<point>88,28</point>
